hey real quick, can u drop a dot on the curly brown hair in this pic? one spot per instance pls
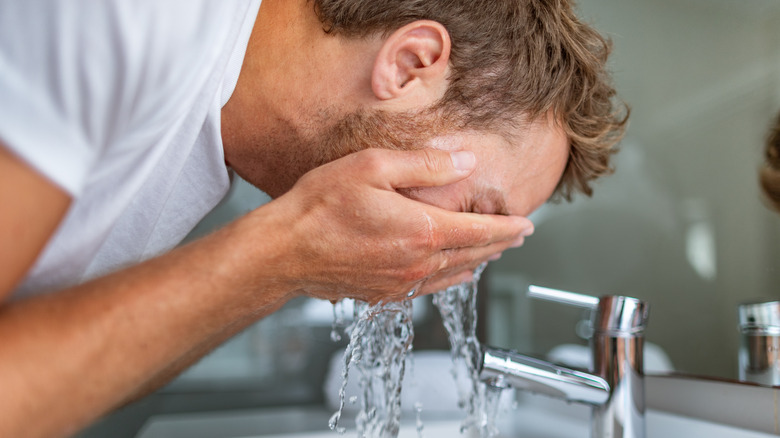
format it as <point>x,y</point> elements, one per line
<point>769,176</point>
<point>512,61</point>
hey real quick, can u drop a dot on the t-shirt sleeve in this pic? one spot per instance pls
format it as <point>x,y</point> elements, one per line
<point>38,115</point>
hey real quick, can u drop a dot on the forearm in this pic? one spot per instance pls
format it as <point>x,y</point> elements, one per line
<point>68,357</point>
<point>173,370</point>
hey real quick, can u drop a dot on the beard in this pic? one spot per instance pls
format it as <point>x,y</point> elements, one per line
<point>290,152</point>
<point>363,130</point>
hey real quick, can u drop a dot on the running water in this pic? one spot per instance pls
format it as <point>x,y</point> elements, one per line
<point>380,338</point>
<point>419,424</point>
<point>458,308</point>
<point>338,321</point>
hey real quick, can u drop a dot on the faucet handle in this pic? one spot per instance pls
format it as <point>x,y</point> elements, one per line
<point>612,315</point>
<point>563,297</point>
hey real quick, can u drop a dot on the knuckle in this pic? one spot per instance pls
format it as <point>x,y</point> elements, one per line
<point>414,274</point>
<point>373,161</point>
<point>430,238</point>
<point>444,262</point>
<point>481,233</point>
<point>420,271</point>
<point>431,241</point>
<point>309,177</point>
<point>432,162</point>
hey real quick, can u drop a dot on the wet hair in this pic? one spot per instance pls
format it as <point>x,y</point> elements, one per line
<point>769,176</point>
<point>512,61</point>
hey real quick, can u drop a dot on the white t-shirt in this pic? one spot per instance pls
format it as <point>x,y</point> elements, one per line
<point>118,102</point>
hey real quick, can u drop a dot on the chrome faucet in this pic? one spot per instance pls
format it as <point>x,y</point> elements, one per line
<point>614,387</point>
<point>759,349</point>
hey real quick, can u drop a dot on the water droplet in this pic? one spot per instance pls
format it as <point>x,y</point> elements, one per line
<point>418,411</point>
<point>338,320</point>
<point>334,420</point>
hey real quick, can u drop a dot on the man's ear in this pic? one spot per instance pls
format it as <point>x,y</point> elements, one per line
<point>413,60</point>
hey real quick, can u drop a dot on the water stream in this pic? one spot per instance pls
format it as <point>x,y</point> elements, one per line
<point>458,308</point>
<point>380,340</point>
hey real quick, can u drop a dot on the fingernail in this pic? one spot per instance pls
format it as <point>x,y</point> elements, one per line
<point>518,242</point>
<point>495,257</point>
<point>463,160</point>
<point>527,232</point>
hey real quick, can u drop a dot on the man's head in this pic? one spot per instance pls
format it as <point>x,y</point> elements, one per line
<point>769,176</point>
<point>511,62</point>
<point>488,75</point>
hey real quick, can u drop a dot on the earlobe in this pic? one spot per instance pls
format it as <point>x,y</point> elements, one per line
<point>413,59</point>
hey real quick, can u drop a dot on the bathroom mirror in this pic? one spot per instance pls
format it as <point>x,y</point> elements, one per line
<point>681,223</point>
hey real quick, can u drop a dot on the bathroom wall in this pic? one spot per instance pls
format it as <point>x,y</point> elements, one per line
<point>681,222</point>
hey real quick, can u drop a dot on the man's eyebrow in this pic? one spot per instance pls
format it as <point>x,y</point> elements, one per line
<point>496,198</point>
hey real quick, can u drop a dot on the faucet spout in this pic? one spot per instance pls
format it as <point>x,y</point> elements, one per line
<point>614,387</point>
<point>538,376</point>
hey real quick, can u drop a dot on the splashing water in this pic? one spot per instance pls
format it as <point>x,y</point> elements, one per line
<point>458,308</point>
<point>338,321</point>
<point>380,338</point>
<point>419,424</point>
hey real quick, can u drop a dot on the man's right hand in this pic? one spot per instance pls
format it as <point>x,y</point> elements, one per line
<point>349,233</point>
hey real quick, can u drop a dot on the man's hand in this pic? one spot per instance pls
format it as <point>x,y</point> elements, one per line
<point>351,234</point>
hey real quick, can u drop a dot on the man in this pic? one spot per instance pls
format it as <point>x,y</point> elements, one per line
<point>117,120</point>
<point>769,175</point>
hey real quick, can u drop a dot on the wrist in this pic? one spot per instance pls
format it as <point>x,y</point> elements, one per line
<point>253,255</point>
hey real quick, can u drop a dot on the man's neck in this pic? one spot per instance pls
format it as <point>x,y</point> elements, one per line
<point>295,81</point>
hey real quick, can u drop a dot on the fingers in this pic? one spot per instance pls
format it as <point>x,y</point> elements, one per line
<point>420,168</point>
<point>462,230</point>
<point>438,284</point>
<point>457,266</point>
<point>469,258</point>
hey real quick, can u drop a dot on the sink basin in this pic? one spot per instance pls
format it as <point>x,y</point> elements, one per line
<point>535,417</point>
<point>257,425</point>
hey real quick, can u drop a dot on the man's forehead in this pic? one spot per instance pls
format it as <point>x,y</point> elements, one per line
<point>518,168</point>
<point>534,166</point>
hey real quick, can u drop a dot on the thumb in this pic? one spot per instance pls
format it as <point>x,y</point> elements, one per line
<point>428,168</point>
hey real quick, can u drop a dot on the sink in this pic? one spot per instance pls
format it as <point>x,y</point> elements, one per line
<point>257,424</point>
<point>534,417</point>
<point>531,416</point>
